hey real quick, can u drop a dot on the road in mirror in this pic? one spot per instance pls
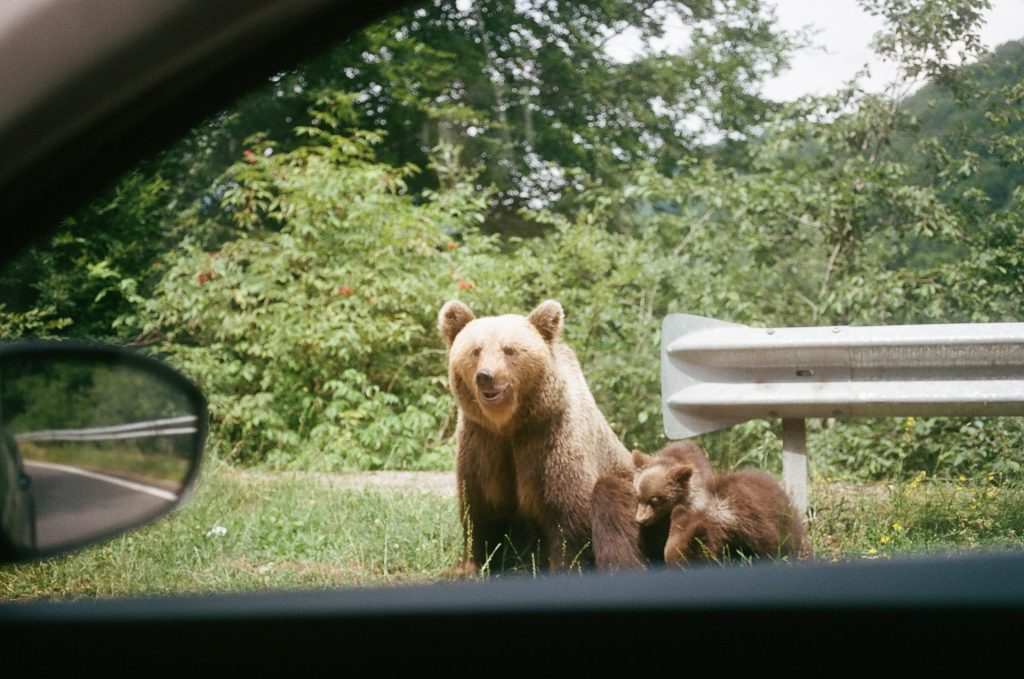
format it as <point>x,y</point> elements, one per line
<point>90,448</point>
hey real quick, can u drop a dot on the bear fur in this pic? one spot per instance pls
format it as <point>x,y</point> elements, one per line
<point>532,442</point>
<point>619,541</point>
<point>646,524</point>
<point>657,492</point>
<point>742,514</point>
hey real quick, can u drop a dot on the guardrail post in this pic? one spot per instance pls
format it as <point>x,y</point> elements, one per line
<point>794,462</point>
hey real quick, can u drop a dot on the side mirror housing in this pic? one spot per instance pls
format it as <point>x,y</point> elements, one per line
<point>94,440</point>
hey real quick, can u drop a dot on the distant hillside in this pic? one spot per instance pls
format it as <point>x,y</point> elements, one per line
<point>988,112</point>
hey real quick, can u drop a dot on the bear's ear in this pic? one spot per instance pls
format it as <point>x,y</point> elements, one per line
<point>453,317</point>
<point>680,473</point>
<point>641,459</point>
<point>547,318</point>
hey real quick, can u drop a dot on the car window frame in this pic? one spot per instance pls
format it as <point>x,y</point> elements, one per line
<point>974,603</point>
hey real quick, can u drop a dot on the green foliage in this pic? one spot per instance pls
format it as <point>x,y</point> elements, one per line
<point>312,331</point>
<point>72,394</point>
<point>902,448</point>
<point>972,134</point>
<point>531,94</point>
<point>35,322</point>
<point>96,265</point>
<point>310,234</point>
<point>927,39</point>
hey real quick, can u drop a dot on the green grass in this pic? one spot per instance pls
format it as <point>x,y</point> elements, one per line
<point>853,521</point>
<point>245,531</point>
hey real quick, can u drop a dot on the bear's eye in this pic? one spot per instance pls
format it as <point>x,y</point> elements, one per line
<point>509,351</point>
<point>476,351</point>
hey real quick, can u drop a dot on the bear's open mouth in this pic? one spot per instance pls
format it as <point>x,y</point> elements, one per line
<point>492,395</point>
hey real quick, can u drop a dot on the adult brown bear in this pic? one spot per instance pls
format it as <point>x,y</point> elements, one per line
<point>531,442</point>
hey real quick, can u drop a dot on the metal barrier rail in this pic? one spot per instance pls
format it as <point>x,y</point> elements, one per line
<point>173,426</point>
<point>717,374</point>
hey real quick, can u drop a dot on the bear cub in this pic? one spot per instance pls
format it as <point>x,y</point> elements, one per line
<point>658,490</point>
<point>645,522</point>
<point>715,517</point>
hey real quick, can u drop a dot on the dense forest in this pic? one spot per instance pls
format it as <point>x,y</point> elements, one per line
<point>291,253</point>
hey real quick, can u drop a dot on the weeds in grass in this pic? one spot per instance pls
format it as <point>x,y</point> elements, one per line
<point>920,515</point>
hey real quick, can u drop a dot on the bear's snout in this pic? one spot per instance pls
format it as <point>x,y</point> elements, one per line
<point>645,514</point>
<point>492,388</point>
<point>484,379</point>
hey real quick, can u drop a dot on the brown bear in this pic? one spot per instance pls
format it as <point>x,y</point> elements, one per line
<point>619,541</point>
<point>742,514</point>
<point>655,485</point>
<point>648,521</point>
<point>531,441</point>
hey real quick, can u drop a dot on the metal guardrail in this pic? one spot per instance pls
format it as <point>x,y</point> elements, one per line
<point>173,426</point>
<point>717,374</point>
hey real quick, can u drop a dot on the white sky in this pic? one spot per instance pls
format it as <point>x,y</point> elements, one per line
<point>846,32</point>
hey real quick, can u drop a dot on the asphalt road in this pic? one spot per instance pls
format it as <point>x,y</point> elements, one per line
<point>73,504</point>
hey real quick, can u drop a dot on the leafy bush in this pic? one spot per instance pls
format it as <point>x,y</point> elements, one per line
<point>304,280</point>
<point>312,328</point>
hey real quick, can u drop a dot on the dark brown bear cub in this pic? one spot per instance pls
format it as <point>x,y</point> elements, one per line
<point>647,523</point>
<point>531,441</point>
<point>655,485</point>
<point>743,514</point>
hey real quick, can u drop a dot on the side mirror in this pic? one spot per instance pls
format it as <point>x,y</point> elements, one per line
<point>94,440</point>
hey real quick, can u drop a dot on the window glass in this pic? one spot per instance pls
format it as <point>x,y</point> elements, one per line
<point>629,160</point>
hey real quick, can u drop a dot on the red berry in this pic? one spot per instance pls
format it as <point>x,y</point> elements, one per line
<point>452,245</point>
<point>202,278</point>
<point>465,285</point>
<point>343,290</point>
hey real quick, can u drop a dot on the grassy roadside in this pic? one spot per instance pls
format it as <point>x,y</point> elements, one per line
<point>920,515</point>
<point>245,532</point>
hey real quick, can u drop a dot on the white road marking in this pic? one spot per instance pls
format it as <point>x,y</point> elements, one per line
<point>155,492</point>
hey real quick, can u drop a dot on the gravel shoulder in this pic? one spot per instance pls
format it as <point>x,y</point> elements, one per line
<point>441,483</point>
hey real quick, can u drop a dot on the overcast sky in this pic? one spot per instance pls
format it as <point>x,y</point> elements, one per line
<point>846,31</point>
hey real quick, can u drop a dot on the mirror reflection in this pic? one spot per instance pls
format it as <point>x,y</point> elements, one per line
<point>89,448</point>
